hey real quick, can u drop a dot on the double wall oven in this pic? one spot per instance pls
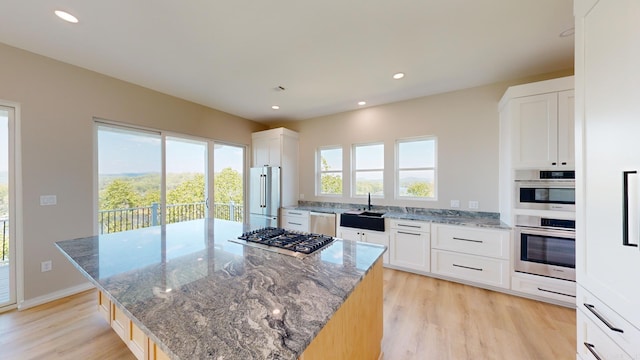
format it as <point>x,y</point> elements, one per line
<point>545,245</point>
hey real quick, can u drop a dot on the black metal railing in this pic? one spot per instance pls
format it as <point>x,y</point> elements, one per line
<point>117,220</point>
<point>4,251</point>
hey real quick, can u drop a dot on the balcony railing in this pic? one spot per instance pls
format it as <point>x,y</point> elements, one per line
<point>110,221</point>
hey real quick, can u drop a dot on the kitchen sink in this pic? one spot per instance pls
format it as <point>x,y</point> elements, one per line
<point>366,220</point>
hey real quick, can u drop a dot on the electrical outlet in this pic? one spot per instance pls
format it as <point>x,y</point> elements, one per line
<point>48,200</point>
<point>455,203</point>
<point>45,266</point>
<point>473,205</point>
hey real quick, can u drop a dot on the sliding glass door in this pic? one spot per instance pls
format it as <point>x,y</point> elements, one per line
<point>148,178</point>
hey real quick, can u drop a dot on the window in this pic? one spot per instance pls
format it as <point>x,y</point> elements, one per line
<point>416,168</point>
<point>329,163</point>
<point>368,170</point>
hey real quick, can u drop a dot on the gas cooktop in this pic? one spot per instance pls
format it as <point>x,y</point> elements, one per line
<point>294,243</point>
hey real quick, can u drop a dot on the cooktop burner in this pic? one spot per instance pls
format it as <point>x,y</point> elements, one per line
<point>285,241</point>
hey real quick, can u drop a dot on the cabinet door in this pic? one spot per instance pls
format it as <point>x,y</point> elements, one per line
<point>410,249</point>
<point>266,151</point>
<point>377,238</point>
<point>349,234</point>
<point>566,129</point>
<point>535,130</point>
<point>611,108</point>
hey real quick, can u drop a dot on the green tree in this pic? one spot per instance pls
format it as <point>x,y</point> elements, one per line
<point>227,186</point>
<point>420,189</point>
<point>189,191</point>
<point>119,194</point>
<point>329,184</point>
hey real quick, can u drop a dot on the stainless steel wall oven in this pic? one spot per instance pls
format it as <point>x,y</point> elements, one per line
<point>545,246</point>
<point>545,190</point>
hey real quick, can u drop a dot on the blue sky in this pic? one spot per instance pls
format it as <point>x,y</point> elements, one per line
<point>122,151</point>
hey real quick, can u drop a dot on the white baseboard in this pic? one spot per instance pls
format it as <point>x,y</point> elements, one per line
<point>26,304</point>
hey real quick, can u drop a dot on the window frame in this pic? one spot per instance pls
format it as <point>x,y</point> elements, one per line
<point>355,170</point>
<point>320,172</point>
<point>397,171</point>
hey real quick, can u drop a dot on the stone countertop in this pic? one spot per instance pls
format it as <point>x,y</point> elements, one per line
<point>199,296</point>
<point>451,217</point>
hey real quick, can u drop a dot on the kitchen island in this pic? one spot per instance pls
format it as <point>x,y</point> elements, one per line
<point>192,294</point>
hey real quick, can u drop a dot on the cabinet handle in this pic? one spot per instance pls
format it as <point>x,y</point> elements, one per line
<point>467,267</point>
<point>625,208</point>
<point>553,163</point>
<point>564,163</point>
<point>555,292</point>
<point>292,223</point>
<point>592,308</point>
<point>469,240</point>
<point>408,233</point>
<point>410,226</point>
<point>592,350</point>
<point>294,213</point>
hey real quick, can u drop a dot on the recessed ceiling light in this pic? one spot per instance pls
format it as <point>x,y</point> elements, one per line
<point>362,103</point>
<point>569,32</point>
<point>275,107</point>
<point>398,76</point>
<point>66,16</point>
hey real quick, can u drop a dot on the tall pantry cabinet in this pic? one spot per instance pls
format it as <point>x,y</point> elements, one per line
<point>607,169</point>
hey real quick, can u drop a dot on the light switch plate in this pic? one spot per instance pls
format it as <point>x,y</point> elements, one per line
<point>473,205</point>
<point>455,203</point>
<point>48,200</point>
<point>45,266</point>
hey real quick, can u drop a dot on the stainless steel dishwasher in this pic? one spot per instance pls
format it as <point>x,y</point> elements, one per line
<point>323,223</point>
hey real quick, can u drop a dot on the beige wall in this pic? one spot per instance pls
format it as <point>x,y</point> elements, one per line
<point>58,103</point>
<point>465,123</point>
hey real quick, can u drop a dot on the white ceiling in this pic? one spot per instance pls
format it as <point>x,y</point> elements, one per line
<point>330,54</point>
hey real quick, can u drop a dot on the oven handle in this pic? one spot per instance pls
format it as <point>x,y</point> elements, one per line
<point>565,234</point>
<point>625,208</point>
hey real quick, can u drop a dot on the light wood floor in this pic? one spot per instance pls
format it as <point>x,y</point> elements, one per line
<point>424,318</point>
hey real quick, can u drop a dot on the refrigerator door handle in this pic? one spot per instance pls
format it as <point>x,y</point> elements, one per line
<point>630,216</point>
<point>263,190</point>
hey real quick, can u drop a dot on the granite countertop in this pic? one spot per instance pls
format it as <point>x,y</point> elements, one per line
<point>451,217</point>
<point>199,296</point>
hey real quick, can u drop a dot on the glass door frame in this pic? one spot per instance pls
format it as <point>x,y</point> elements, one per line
<point>16,267</point>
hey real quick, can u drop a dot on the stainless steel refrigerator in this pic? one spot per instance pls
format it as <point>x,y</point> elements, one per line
<point>264,196</point>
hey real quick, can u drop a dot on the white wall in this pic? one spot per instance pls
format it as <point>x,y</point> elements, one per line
<point>58,102</point>
<point>466,123</point>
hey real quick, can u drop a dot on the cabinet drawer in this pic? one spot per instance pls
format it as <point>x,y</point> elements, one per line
<point>295,223</point>
<point>544,287</point>
<point>593,343</point>
<point>478,269</point>
<point>119,322</point>
<point>295,213</point>
<point>628,339</point>
<point>137,341</point>
<point>481,242</point>
<point>410,225</point>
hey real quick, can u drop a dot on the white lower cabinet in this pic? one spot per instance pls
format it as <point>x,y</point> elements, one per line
<point>609,334</point>
<point>370,236</point>
<point>476,255</point>
<point>479,269</point>
<point>295,220</point>
<point>410,245</point>
<point>545,288</point>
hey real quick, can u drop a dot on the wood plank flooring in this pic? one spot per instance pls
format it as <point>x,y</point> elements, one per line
<point>424,318</point>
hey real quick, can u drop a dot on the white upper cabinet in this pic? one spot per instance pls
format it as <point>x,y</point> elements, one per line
<point>542,130</point>
<point>279,147</point>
